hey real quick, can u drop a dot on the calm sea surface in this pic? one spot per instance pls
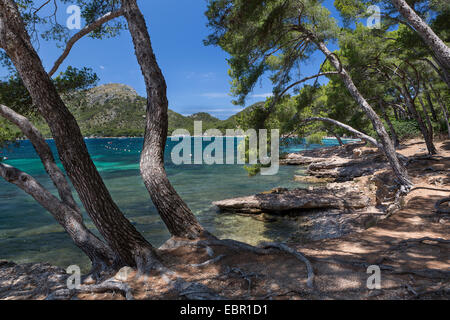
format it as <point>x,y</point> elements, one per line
<point>29,234</point>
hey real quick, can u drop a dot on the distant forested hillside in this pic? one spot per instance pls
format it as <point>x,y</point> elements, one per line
<point>115,110</point>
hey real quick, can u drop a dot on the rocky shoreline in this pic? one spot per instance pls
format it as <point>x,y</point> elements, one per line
<point>344,197</point>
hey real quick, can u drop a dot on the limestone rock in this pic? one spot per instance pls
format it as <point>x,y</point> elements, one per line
<point>298,159</point>
<point>124,274</point>
<point>296,200</point>
<point>345,169</point>
<point>310,179</point>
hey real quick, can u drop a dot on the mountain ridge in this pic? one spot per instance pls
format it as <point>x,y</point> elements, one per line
<point>117,110</point>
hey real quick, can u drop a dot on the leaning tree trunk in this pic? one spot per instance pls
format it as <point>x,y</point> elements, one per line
<point>338,138</point>
<point>178,218</point>
<point>395,114</point>
<point>359,134</point>
<point>443,107</point>
<point>399,170</point>
<point>439,48</point>
<point>391,126</point>
<point>444,111</point>
<point>412,109</point>
<point>430,102</point>
<point>119,233</point>
<point>427,118</point>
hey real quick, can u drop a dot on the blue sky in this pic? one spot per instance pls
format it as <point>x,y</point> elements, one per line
<point>196,75</point>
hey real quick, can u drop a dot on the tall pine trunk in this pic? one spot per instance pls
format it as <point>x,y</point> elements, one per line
<point>427,118</point>
<point>178,218</point>
<point>443,107</point>
<point>391,126</point>
<point>416,115</point>
<point>430,102</point>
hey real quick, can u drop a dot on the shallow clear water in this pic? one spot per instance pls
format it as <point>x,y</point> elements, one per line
<point>29,234</point>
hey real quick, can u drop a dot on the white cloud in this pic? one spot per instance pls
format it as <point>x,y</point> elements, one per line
<point>204,75</point>
<point>262,95</point>
<point>220,95</point>
<point>223,110</point>
<point>214,95</point>
<point>102,67</point>
<point>207,75</point>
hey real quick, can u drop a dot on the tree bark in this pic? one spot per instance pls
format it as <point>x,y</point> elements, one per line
<point>443,107</point>
<point>119,233</point>
<point>438,46</point>
<point>178,218</point>
<point>338,138</point>
<point>399,170</point>
<point>444,111</point>
<point>427,118</point>
<point>430,101</point>
<point>443,74</point>
<point>395,114</point>
<point>412,109</point>
<point>391,126</point>
<point>101,256</point>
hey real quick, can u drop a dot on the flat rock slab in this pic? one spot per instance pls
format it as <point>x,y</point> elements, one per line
<point>296,200</point>
<point>295,159</point>
<point>343,169</point>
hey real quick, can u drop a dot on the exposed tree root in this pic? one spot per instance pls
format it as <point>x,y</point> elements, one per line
<point>425,158</point>
<point>425,273</point>
<point>148,264</point>
<point>190,290</point>
<point>439,207</point>
<point>441,291</point>
<point>263,249</point>
<point>401,193</point>
<point>247,276</point>
<point>421,240</point>
<point>410,289</point>
<point>275,294</point>
<point>410,242</point>
<point>110,285</point>
<point>206,263</point>
<point>298,255</point>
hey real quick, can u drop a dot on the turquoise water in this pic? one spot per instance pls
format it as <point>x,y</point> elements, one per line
<point>29,234</point>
